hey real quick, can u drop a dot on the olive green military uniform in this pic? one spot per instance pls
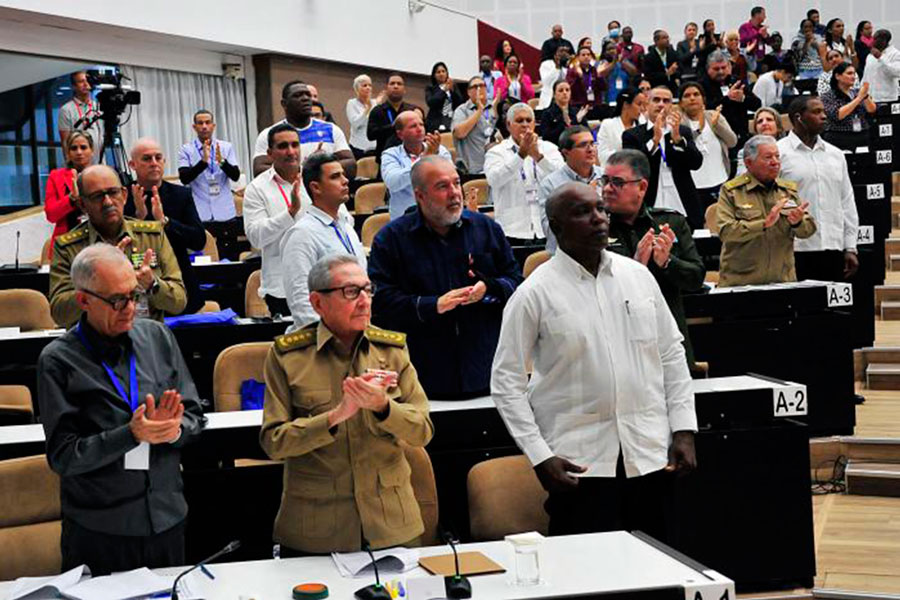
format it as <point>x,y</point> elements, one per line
<point>751,253</point>
<point>685,271</point>
<point>351,480</point>
<point>169,298</point>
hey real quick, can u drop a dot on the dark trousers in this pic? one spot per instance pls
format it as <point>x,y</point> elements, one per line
<point>613,504</point>
<point>277,306</point>
<point>105,553</point>
<point>708,197</point>
<point>823,265</point>
<point>513,241</point>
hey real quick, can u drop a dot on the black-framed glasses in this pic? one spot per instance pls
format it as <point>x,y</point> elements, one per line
<point>100,195</point>
<point>117,302</point>
<point>351,292</point>
<point>616,182</point>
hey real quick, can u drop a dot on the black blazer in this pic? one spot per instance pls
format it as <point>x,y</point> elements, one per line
<point>185,232</point>
<point>552,123</point>
<point>682,158</point>
<point>655,70</point>
<point>738,114</point>
<point>434,98</point>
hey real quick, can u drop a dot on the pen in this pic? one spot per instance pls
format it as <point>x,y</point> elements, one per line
<point>207,572</point>
<point>627,307</point>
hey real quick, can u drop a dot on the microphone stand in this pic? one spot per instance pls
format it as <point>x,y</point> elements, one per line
<point>231,547</point>
<point>457,586</point>
<point>374,591</point>
<point>16,267</point>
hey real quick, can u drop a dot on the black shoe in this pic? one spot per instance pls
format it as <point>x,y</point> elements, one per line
<point>857,399</point>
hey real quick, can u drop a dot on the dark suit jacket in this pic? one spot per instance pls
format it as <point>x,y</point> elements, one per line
<point>682,158</point>
<point>738,114</point>
<point>655,70</point>
<point>434,98</point>
<point>553,124</point>
<point>185,232</point>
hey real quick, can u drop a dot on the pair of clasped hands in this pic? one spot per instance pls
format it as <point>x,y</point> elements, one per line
<point>158,423</point>
<point>364,392</point>
<point>793,215</point>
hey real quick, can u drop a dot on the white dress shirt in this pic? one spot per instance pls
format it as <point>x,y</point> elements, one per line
<point>609,138</point>
<point>514,183</point>
<point>667,195</point>
<point>883,75</point>
<point>550,73</point>
<point>359,120</point>
<point>609,368</point>
<point>767,89</point>
<point>713,171</point>
<point>314,236</point>
<point>822,180</point>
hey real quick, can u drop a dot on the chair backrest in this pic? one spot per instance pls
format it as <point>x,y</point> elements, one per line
<point>46,259</point>
<point>16,407</point>
<point>234,365</point>
<point>505,497</point>
<point>211,249</point>
<point>26,309</point>
<point>710,219</point>
<point>534,261</point>
<point>372,225</point>
<point>533,103</point>
<point>29,518</point>
<point>448,142</point>
<point>254,306</point>
<point>238,202</point>
<point>478,184</point>
<point>366,168</point>
<point>369,197</point>
<point>209,306</point>
<point>425,489</point>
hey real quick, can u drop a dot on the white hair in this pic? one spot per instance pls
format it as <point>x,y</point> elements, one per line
<point>517,108</point>
<point>751,148</point>
<point>319,277</point>
<point>359,80</point>
<point>84,267</point>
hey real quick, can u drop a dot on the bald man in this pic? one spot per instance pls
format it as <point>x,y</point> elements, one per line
<point>172,206</point>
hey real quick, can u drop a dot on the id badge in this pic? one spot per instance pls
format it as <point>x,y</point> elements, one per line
<point>725,90</point>
<point>857,125</point>
<point>620,84</point>
<point>694,62</point>
<point>531,195</point>
<point>214,187</point>
<point>590,94</point>
<point>139,458</point>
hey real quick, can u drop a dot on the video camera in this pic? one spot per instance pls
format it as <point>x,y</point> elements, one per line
<point>113,97</point>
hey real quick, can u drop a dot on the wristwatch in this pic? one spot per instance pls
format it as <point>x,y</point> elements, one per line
<point>154,287</point>
<point>165,222</point>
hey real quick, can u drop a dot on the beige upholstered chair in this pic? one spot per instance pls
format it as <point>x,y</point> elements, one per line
<point>371,226</point>
<point>234,365</point>
<point>505,497</point>
<point>479,184</point>
<point>27,309</point>
<point>448,142</point>
<point>366,168</point>
<point>29,518</point>
<point>211,249</point>
<point>425,489</point>
<point>369,197</point>
<point>16,407</point>
<point>534,261</point>
<point>254,306</point>
<point>711,220</point>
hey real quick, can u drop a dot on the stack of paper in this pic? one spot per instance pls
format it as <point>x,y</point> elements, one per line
<point>389,560</point>
<point>77,584</point>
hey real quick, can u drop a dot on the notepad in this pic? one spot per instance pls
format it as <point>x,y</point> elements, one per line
<point>470,563</point>
<point>389,560</point>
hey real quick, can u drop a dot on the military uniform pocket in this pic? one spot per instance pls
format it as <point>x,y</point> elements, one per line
<point>316,499</point>
<point>395,491</point>
<point>748,214</point>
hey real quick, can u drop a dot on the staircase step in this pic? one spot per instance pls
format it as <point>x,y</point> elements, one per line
<point>873,478</point>
<point>883,376</point>
<point>891,246</point>
<point>886,292</point>
<point>890,309</point>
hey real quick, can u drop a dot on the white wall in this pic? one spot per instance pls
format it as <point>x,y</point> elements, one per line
<point>531,19</point>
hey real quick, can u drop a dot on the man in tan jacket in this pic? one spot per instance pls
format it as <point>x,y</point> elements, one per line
<point>341,398</point>
<point>759,215</point>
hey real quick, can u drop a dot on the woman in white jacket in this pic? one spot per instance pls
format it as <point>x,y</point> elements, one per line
<point>630,107</point>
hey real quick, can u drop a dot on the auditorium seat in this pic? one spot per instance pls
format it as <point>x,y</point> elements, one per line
<point>447,142</point>
<point>534,261</point>
<point>366,168</point>
<point>369,197</point>
<point>16,407</point>
<point>27,309</point>
<point>505,497</point>
<point>210,306</point>
<point>533,103</point>
<point>29,518</point>
<point>479,184</point>
<point>425,489</point>
<point>710,219</point>
<point>371,226</point>
<point>210,249</point>
<point>234,365</point>
<point>238,202</point>
<point>254,306</point>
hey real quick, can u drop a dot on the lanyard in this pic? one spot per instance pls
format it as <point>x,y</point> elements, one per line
<point>390,115</point>
<point>522,168</point>
<point>132,398</point>
<point>345,243</point>
<point>212,154</point>
<point>283,195</point>
<point>90,107</point>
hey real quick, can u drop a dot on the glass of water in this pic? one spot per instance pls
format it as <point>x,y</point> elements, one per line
<point>528,567</point>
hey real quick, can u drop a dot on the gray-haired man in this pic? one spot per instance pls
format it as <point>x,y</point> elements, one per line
<point>723,88</point>
<point>117,403</point>
<point>515,169</point>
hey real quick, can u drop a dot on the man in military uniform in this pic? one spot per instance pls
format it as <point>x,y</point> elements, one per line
<point>759,215</point>
<point>659,238</point>
<point>102,198</point>
<point>341,397</point>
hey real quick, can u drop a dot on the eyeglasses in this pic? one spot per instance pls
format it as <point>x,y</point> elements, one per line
<point>118,302</point>
<point>584,144</point>
<point>100,195</point>
<point>351,292</point>
<point>616,182</point>
<point>475,86</point>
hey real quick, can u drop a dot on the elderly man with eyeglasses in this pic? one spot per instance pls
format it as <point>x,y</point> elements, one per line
<point>342,398</point>
<point>117,404</point>
<point>101,197</point>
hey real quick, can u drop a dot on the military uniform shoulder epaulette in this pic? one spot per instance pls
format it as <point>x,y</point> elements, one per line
<point>70,237</point>
<point>146,226</point>
<point>296,340</point>
<point>737,182</point>
<point>786,183</point>
<point>387,337</point>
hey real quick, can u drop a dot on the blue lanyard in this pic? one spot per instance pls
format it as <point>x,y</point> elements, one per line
<point>390,115</point>
<point>212,155</point>
<point>345,243</point>
<point>522,168</point>
<point>132,399</point>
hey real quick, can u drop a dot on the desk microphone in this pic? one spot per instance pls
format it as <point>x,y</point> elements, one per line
<point>374,591</point>
<point>231,547</point>
<point>16,268</point>
<point>457,586</point>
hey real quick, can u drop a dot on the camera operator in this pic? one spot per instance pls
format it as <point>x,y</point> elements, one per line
<point>80,113</point>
